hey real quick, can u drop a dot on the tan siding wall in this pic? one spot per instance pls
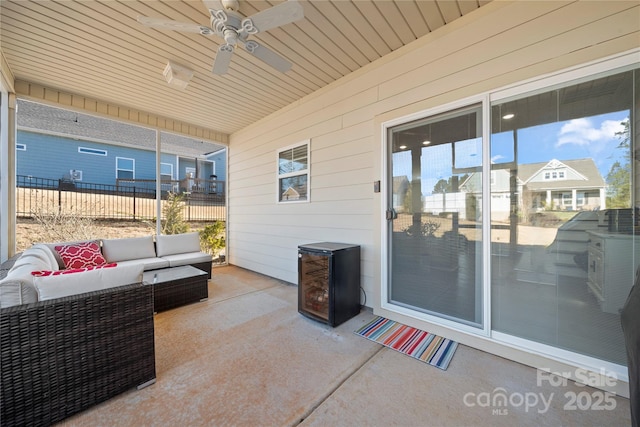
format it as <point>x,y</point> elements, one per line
<point>500,44</point>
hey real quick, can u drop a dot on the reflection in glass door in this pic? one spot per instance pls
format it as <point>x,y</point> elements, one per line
<point>434,227</point>
<point>564,248</point>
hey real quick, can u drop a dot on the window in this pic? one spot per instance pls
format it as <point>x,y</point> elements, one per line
<point>166,171</point>
<point>567,200</point>
<point>125,168</point>
<point>94,151</point>
<point>293,173</point>
<point>166,176</point>
<point>21,147</point>
<point>554,175</point>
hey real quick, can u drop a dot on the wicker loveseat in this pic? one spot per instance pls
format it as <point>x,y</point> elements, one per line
<point>64,355</point>
<point>63,350</point>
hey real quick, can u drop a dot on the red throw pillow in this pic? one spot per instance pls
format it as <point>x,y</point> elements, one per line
<point>71,270</point>
<point>80,255</point>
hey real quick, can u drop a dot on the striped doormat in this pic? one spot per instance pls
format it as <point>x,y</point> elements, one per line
<point>432,349</point>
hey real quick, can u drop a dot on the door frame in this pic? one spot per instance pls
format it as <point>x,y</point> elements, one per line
<point>386,202</point>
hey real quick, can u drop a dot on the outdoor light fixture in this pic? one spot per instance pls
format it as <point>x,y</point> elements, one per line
<point>177,75</point>
<point>403,147</point>
<point>508,116</point>
<point>427,142</point>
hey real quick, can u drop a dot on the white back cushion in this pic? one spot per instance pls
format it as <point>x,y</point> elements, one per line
<point>177,243</point>
<point>58,258</point>
<point>48,253</point>
<point>115,250</point>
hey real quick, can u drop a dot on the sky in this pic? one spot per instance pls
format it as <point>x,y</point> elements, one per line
<point>592,137</point>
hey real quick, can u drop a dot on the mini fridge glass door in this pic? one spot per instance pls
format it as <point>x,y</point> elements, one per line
<point>314,285</point>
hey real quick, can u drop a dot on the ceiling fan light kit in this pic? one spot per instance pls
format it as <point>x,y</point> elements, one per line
<point>228,24</point>
<point>177,75</point>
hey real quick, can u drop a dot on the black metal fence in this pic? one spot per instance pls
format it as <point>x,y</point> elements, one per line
<point>204,200</point>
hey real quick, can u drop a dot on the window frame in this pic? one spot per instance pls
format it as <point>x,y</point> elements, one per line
<point>303,172</point>
<point>133,171</point>
<point>92,151</point>
<point>172,176</point>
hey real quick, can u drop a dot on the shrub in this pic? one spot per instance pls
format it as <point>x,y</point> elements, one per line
<point>212,238</point>
<point>424,229</point>
<point>61,226</point>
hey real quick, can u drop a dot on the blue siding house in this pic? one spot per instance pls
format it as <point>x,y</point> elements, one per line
<point>59,144</point>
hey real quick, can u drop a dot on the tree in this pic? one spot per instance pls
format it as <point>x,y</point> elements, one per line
<point>173,222</point>
<point>442,186</point>
<point>619,176</point>
<point>446,185</point>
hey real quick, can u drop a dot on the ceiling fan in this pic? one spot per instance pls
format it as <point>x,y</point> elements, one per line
<point>228,23</point>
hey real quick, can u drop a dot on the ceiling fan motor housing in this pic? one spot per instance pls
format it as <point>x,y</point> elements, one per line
<point>230,36</point>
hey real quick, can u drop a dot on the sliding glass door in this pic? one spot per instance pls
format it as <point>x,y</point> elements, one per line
<point>563,244</point>
<point>434,225</point>
<point>560,219</point>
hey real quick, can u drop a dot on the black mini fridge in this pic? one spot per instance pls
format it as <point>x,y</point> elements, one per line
<point>329,281</point>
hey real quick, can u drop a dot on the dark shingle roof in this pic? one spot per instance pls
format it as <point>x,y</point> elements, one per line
<point>40,117</point>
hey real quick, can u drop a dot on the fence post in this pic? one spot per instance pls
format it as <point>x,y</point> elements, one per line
<point>134,203</point>
<point>59,196</point>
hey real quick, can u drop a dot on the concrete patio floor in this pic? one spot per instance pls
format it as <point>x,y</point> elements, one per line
<point>245,357</point>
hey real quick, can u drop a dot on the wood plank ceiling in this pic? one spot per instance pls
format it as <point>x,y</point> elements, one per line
<point>98,49</point>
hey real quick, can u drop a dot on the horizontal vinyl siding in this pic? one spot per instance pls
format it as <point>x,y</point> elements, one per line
<point>49,156</point>
<point>500,44</point>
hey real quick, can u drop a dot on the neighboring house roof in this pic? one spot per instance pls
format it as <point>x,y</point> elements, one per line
<point>43,118</point>
<point>292,194</point>
<point>580,173</point>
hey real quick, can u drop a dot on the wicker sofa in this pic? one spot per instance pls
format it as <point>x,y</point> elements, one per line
<point>70,341</point>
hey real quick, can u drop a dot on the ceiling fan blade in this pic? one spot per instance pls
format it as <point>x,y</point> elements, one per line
<point>167,24</point>
<point>223,58</point>
<point>282,14</point>
<point>268,56</point>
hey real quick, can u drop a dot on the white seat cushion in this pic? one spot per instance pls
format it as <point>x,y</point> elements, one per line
<point>50,287</point>
<point>148,263</point>
<point>188,258</point>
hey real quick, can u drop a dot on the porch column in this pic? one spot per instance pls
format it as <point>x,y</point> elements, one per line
<point>158,185</point>
<point>603,199</point>
<point>416,187</point>
<point>7,175</point>
<point>548,200</point>
<point>574,202</point>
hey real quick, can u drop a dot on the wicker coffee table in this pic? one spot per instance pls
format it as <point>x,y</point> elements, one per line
<point>176,286</point>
